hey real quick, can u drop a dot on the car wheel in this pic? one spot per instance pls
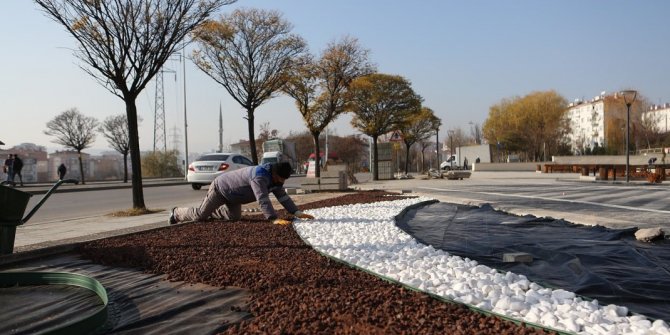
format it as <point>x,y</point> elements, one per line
<point>196,186</point>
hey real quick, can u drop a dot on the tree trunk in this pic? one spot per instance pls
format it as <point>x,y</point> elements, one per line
<point>407,145</point>
<point>252,137</point>
<point>423,160</point>
<point>125,167</point>
<point>135,162</point>
<point>81,168</point>
<point>317,155</point>
<point>375,157</point>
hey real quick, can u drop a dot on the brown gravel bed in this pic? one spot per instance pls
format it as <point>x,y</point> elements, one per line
<point>295,289</point>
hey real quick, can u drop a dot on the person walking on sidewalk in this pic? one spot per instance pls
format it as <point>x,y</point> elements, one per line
<point>62,170</point>
<point>9,167</point>
<point>229,191</point>
<point>17,166</point>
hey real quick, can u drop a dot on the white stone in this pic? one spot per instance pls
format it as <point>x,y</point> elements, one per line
<point>648,234</point>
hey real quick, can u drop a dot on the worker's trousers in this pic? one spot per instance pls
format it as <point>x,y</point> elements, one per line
<point>214,206</point>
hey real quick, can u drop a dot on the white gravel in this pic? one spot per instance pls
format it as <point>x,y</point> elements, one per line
<point>366,235</point>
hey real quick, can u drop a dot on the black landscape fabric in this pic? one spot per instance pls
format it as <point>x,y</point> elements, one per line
<point>139,303</point>
<point>595,262</point>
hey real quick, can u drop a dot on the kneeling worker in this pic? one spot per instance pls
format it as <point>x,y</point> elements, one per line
<point>229,191</point>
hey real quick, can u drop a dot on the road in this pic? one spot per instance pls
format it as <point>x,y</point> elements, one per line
<point>557,196</point>
<point>73,205</point>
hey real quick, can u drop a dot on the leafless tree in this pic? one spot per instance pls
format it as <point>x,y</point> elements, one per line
<point>319,87</point>
<point>115,129</point>
<point>249,53</point>
<point>73,130</point>
<point>123,44</point>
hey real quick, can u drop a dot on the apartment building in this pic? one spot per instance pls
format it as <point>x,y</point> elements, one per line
<point>659,115</point>
<point>600,122</point>
<point>41,167</point>
<point>34,159</point>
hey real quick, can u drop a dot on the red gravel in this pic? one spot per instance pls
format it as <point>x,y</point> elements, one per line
<point>295,289</point>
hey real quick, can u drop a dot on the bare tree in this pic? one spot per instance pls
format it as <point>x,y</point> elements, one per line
<point>419,127</point>
<point>123,44</point>
<point>249,53</point>
<point>319,87</point>
<point>115,130</point>
<point>73,130</point>
<point>380,103</point>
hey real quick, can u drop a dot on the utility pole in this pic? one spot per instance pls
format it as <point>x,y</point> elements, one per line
<point>159,114</point>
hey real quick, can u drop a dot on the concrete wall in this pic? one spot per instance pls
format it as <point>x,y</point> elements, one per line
<point>532,166</point>
<point>621,159</point>
<point>471,152</point>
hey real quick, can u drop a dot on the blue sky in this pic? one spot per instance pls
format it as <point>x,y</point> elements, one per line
<point>461,57</point>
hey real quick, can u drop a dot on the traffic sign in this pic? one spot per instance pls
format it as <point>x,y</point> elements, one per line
<point>396,137</point>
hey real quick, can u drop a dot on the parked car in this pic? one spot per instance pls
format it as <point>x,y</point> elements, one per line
<point>206,168</point>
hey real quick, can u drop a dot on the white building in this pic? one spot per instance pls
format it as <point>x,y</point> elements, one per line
<point>600,122</point>
<point>660,116</point>
<point>587,123</point>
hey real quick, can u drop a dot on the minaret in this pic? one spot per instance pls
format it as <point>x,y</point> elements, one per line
<point>220,129</point>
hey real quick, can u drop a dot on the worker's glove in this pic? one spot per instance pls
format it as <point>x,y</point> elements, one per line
<point>300,214</point>
<point>281,222</point>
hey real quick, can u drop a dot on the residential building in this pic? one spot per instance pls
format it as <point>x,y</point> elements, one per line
<point>71,160</point>
<point>600,122</point>
<point>660,117</point>
<point>34,159</point>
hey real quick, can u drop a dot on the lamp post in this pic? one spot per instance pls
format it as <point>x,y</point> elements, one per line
<point>628,97</point>
<point>451,148</point>
<point>437,147</point>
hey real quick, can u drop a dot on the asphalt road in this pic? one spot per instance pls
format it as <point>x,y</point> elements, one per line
<point>557,196</point>
<point>71,205</point>
<point>612,205</point>
<point>61,206</point>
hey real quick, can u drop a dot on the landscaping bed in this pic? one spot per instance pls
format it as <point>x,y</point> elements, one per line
<point>295,290</point>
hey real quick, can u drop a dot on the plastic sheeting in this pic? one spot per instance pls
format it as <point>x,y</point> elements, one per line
<point>139,303</point>
<point>595,262</point>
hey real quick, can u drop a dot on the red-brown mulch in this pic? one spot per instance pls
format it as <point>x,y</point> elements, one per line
<point>295,289</point>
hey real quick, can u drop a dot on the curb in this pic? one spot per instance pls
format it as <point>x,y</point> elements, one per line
<point>101,187</point>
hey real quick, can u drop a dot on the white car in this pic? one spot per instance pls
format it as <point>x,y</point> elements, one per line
<point>207,167</point>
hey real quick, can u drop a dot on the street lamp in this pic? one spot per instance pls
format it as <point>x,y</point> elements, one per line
<point>437,147</point>
<point>628,97</point>
<point>451,148</point>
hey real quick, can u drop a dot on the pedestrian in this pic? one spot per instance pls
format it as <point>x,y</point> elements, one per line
<point>8,168</point>
<point>465,163</point>
<point>62,170</point>
<point>229,191</point>
<point>17,166</point>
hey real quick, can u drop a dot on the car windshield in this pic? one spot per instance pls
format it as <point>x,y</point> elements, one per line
<point>213,158</point>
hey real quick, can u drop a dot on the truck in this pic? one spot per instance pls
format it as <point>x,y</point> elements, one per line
<point>278,150</point>
<point>451,163</point>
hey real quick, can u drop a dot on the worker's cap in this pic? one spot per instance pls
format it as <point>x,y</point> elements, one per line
<point>282,169</point>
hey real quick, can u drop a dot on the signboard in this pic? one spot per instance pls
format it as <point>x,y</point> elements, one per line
<point>396,137</point>
<point>311,169</point>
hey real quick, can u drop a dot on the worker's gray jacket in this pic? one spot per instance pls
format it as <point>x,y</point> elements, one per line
<point>254,183</point>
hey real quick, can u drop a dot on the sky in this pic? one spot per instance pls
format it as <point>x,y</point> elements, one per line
<point>462,57</point>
